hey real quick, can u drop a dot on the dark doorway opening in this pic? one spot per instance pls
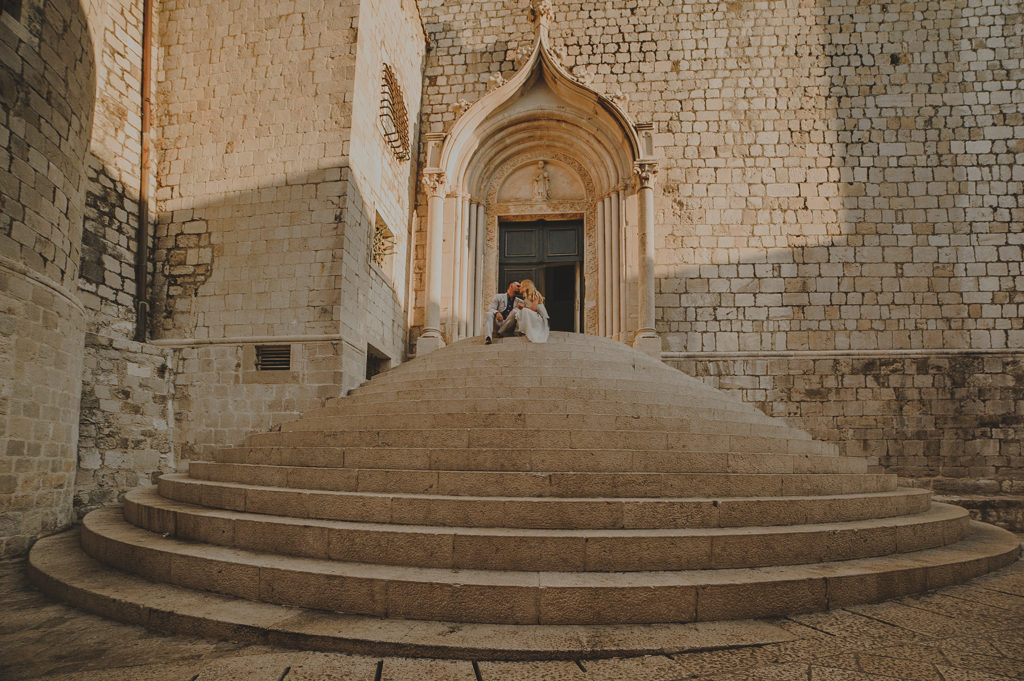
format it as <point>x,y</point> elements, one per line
<point>550,252</point>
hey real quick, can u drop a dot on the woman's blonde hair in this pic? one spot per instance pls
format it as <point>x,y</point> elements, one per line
<point>530,292</point>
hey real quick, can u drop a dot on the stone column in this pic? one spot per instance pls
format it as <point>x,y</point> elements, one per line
<point>647,339</point>
<point>435,184</point>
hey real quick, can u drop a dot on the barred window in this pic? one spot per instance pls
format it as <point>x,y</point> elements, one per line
<point>394,118</point>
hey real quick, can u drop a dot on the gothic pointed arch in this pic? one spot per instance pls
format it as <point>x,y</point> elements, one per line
<point>576,139</point>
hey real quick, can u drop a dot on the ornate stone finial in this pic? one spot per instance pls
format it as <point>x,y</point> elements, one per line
<point>646,172</point>
<point>460,107</point>
<point>541,182</point>
<point>522,55</point>
<point>540,12</point>
<point>435,184</point>
<point>495,81</point>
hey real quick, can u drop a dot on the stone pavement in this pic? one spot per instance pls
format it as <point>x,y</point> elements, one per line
<point>972,632</point>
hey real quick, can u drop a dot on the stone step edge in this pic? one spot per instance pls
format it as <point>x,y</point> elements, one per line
<point>935,513</point>
<point>277,441</point>
<point>134,536</point>
<point>172,492</point>
<point>541,597</point>
<point>562,550</point>
<point>441,481</point>
<point>63,571</point>
<point>521,420</point>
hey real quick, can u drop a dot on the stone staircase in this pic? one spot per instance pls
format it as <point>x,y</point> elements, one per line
<point>571,483</point>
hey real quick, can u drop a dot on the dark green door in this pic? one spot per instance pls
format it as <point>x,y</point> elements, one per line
<point>551,254</point>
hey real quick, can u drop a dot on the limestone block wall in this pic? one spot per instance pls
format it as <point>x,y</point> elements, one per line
<point>837,177</point>
<point>253,113</point>
<point>947,421</point>
<point>46,90</point>
<point>125,436</point>
<point>126,388</point>
<point>265,219</point>
<point>381,181</point>
<point>219,398</point>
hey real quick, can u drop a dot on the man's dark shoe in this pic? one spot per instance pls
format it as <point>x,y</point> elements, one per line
<point>487,341</point>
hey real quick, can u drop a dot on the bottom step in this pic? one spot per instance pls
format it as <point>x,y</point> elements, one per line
<point>59,567</point>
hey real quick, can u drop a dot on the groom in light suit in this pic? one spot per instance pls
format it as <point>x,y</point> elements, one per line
<point>499,320</point>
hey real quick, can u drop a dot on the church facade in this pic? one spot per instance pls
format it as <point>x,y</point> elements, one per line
<point>217,216</point>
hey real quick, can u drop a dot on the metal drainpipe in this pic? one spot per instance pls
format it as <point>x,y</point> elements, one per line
<point>142,233</point>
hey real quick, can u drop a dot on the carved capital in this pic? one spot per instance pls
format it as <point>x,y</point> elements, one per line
<point>646,173</point>
<point>435,184</point>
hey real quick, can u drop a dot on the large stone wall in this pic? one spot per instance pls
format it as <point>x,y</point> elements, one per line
<point>126,388</point>
<point>381,184</point>
<point>948,421</point>
<point>265,215</point>
<point>46,90</point>
<point>836,176</point>
<point>253,117</point>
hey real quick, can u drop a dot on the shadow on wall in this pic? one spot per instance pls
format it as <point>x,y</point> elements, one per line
<point>913,244</point>
<point>290,261</point>
<point>47,86</point>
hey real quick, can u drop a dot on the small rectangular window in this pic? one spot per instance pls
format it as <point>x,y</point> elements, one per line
<point>376,362</point>
<point>273,357</point>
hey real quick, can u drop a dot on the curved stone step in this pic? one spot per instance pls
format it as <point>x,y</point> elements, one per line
<point>534,550</point>
<point>537,460</point>
<point>554,484</point>
<point>566,437</point>
<point>513,405</point>
<point>60,569</point>
<point>537,597</point>
<point>550,387</point>
<point>540,457</point>
<point>541,513</point>
<point>597,423</point>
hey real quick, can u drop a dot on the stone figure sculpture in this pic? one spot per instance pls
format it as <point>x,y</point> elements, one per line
<point>541,183</point>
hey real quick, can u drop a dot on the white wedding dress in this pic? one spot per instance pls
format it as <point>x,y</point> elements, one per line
<point>533,325</point>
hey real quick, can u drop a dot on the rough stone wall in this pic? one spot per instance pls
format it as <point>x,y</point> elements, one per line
<point>107,277</point>
<point>265,220</point>
<point>46,90</point>
<point>126,390</point>
<point>125,436</point>
<point>867,195</point>
<point>951,422</point>
<point>836,176</point>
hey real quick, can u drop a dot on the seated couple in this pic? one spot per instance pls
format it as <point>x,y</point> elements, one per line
<point>523,316</point>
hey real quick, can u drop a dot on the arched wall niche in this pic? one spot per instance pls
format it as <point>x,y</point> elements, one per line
<point>542,115</point>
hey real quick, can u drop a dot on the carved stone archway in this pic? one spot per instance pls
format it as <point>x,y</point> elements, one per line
<point>586,141</point>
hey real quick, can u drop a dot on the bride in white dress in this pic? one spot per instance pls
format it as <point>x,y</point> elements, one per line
<point>532,316</point>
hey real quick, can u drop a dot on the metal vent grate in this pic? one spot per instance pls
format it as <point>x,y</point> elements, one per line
<point>273,357</point>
